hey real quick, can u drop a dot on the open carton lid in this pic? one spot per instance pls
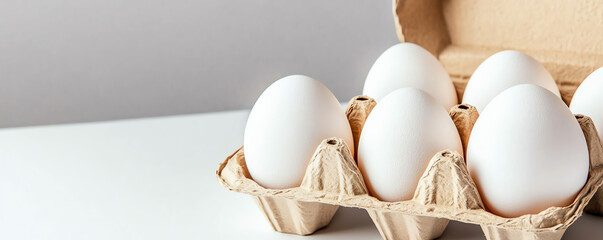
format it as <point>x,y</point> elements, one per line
<point>566,36</point>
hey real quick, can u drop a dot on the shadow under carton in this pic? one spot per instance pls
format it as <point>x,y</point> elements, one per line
<point>445,190</point>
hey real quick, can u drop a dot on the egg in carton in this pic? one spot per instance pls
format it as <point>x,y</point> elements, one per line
<point>445,190</point>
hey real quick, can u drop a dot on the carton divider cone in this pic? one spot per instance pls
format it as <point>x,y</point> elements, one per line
<point>464,117</point>
<point>357,112</point>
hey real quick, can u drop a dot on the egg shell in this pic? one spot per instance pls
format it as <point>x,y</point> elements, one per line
<point>400,136</point>
<point>409,65</point>
<point>286,124</point>
<point>588,99</point>
<point>524,165</point>
<point>502,71</point>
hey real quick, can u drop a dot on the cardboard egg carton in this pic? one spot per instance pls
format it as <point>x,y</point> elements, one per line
<point>444,192</point>
<point>563,35</point>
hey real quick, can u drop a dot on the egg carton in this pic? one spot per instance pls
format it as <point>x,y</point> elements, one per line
<point>444,192</point>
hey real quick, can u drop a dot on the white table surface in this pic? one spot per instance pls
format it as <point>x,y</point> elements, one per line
<point>152,179</point>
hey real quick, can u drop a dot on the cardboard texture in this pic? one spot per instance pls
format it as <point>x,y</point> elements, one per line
<point>564,35</point>
<point>393,225</point>
<point>290,216</point>
<point>464,117</point>
<point>363,105</point>
<point>445,191</point>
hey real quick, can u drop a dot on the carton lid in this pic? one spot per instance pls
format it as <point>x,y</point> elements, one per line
<point>566,36</point>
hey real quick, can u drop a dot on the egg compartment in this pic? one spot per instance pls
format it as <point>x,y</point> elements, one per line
<point>303,210</point>
<point>445,191</point>
<point>560,34</point>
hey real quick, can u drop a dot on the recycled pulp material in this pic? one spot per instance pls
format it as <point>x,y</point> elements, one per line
<point>564,35</point>
<point>445,191</point>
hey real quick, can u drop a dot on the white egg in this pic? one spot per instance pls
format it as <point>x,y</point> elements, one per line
<point>287,123</point>
<point>502,71</point>
<point>588,99</point>
<point>409,65</point>
<point>400,136</point>
<point>527,152</point>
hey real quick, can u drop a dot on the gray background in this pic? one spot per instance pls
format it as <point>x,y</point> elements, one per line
<point>77,61</point>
